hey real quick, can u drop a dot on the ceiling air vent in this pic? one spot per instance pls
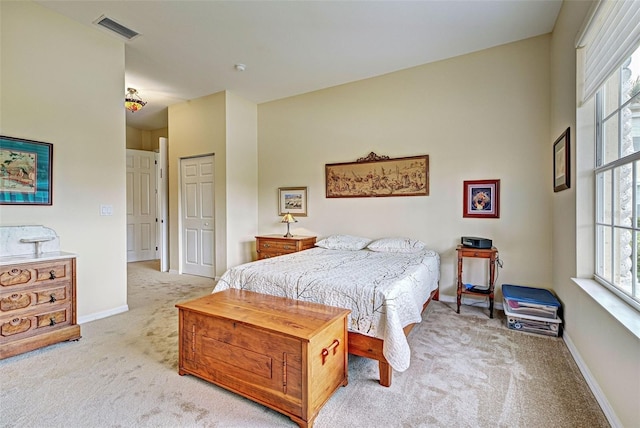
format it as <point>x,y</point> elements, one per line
<point>112,25</point>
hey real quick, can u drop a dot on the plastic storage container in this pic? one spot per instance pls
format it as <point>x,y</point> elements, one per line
<point>532,324</point>
<point>529,301</point>
<point>534,310</point>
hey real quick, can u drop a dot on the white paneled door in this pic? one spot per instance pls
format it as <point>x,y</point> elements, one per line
<point>198,239</point>
<point>163,205</point>
<point>141,206</point>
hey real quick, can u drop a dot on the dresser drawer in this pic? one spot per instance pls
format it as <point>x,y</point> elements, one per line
<point>277,245</point>
<point>20,300</point>
<point>32,324</point>
<point>35,274</point>
<point>265,254</point>
<point>476,252</point>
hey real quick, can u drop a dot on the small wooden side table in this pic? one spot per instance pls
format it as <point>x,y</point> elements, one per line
<point>277,245</point>
<point>491,254</point>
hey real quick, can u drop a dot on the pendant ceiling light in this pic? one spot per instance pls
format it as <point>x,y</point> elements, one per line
<point>132,100</point>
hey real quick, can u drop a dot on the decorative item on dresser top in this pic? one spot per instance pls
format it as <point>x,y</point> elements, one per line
<point>37,290</point>
<point>288,219</point>
<point>277,245</point>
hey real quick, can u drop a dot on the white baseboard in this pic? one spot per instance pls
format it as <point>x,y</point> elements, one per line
<point>591,382</point>
<point>479,301</point>
<point>447,299</point>
<point>103,314</point>
<point>175,272</point>
<point>593,385</point>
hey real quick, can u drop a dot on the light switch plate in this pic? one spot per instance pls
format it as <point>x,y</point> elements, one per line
<point>106,209</point>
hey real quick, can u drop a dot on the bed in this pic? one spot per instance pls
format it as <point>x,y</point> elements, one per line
<point>386,287</point>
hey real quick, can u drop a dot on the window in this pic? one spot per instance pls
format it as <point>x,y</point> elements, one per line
<point>617,181</point>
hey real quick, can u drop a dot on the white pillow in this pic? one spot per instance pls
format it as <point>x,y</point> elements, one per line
<point>343,242</point>
<point>396,245</point>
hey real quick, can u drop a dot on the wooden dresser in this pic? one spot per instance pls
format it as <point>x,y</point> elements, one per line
<point>286,354</point>
<point>277,245</point>
<point>37,303</point>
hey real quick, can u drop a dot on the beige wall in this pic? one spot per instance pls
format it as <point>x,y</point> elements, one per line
<point>242,179</point>
<point>154,137</point>
<point>607,350</point>
<point>225,125</point>
<point>478,116</point>
<point>45,59</point>
<point>196,128</point>
<point>134,138</point>
<point>139,139</point>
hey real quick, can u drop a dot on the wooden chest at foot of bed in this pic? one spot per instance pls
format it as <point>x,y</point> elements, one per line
<point>286,354</point>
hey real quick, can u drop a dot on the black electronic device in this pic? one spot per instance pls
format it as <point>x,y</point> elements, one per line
<point>475,242</point>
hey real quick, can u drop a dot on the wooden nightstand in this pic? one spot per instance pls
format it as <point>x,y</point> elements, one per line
<point>277,245</point>
<point>491,254</point>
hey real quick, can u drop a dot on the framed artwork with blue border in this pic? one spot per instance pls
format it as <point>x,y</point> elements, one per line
<point>25,172</point>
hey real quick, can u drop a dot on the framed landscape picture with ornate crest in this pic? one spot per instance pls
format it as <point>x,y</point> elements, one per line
<point>378,176</point>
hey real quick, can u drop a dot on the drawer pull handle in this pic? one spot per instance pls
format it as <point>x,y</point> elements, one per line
<point>52,321</point>
<point>266,245</point>
<point>52,299</point>
<point>52,274</point>
<point>288,247</point>
<point>325,351</point>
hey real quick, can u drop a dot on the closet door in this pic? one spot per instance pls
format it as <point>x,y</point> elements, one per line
<point>197,215</point>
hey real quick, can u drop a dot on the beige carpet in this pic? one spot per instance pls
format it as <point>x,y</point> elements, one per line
<point>466,371</point>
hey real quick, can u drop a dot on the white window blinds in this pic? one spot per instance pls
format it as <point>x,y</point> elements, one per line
<point>611,36</point>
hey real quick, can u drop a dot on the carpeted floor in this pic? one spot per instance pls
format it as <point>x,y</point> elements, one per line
<point>466,371</point>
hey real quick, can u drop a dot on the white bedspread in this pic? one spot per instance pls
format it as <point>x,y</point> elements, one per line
<point>384,291</point>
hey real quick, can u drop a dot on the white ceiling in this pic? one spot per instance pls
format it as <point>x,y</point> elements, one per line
<point>188,49</point>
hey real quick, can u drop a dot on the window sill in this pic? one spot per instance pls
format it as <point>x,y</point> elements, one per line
<point>616,307</point>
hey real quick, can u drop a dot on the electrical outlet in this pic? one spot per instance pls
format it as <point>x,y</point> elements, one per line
<point>106,209</point>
